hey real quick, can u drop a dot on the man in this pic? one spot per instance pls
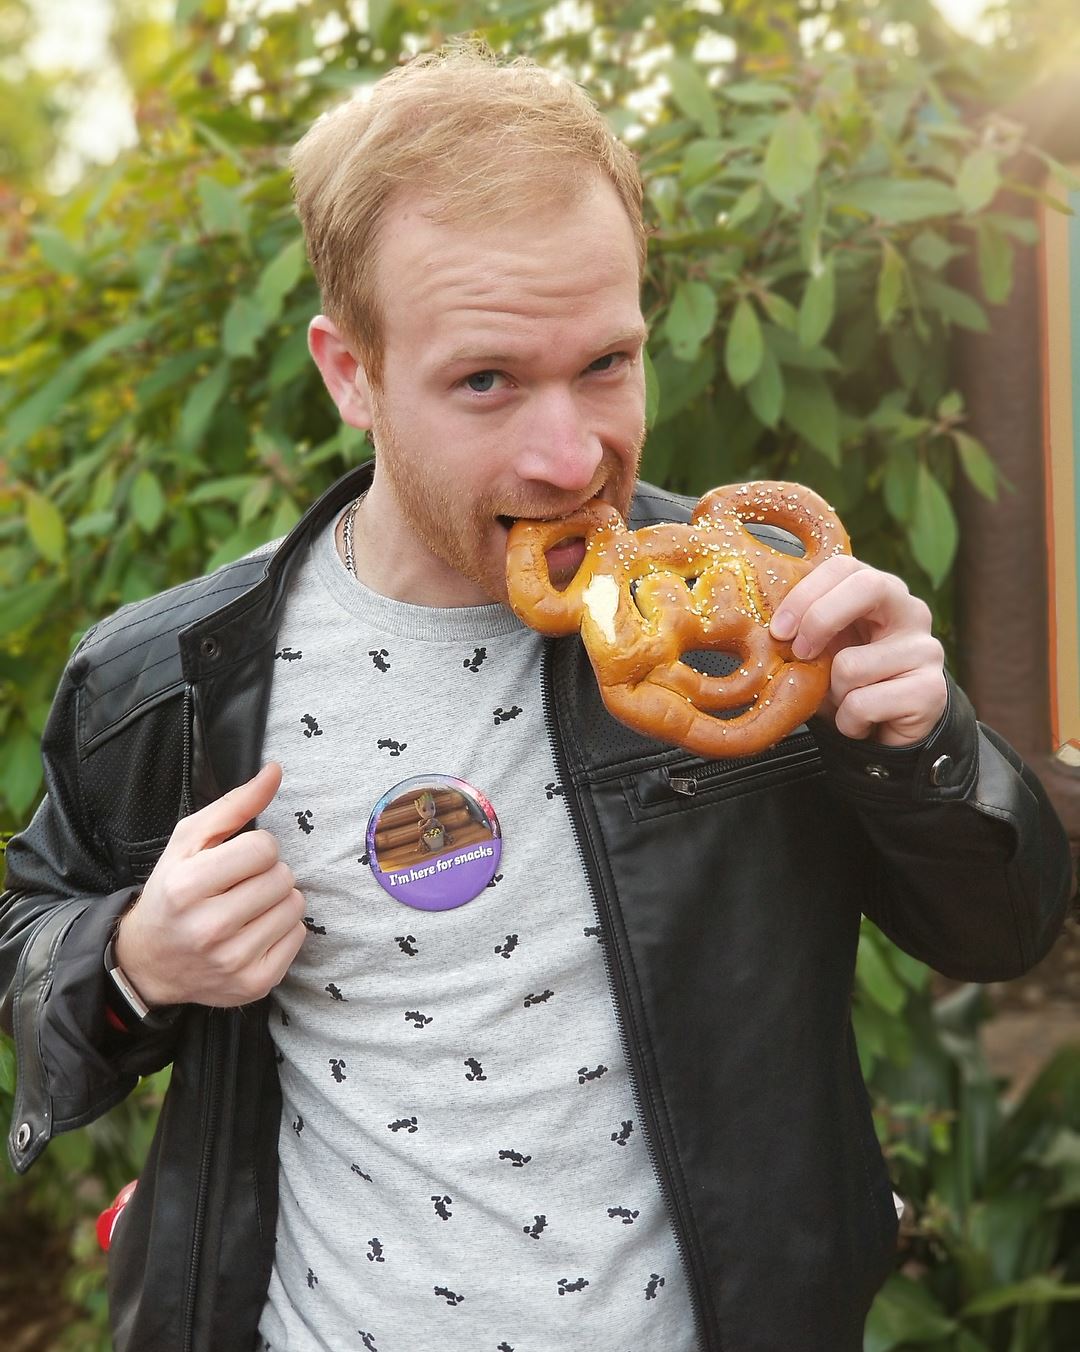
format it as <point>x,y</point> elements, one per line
<point>494,1033</point>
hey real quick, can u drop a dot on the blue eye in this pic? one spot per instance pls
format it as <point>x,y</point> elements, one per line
<point>481,382</point>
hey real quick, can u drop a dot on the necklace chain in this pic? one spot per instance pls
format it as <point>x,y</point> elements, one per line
<point>347,535</point>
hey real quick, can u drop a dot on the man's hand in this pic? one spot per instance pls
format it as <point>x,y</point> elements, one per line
<point>888,680</point>
<point>219,920</point>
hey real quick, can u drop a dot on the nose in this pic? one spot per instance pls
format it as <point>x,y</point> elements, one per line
<point>559,446</point>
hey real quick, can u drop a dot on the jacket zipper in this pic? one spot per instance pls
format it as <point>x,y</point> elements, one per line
<point>617,990</point>
<point>211,1075</point>
<point>688,780</point>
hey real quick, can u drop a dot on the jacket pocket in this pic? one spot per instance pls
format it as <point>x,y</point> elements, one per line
<point>135,860</point>
<point>680,782</point>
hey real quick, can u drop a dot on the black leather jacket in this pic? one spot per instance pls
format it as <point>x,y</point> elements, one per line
<point>729,897</point>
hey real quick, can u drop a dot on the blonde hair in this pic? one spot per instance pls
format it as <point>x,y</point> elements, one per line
<point>484,140</point>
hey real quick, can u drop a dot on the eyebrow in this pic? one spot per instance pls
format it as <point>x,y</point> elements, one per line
<point>482,360</point>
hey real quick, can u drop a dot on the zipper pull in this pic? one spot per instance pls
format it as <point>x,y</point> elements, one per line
<point>679,784</point>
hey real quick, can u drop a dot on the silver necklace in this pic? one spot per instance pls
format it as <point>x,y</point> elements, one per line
<point>347,535</point>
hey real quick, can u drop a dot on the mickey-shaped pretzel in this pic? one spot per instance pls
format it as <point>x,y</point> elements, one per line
<point>642,599</point>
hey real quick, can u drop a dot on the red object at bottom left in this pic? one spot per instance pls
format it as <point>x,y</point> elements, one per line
<point>106,1222</point>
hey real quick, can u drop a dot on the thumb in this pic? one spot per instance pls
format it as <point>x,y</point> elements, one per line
<point>230,813</point>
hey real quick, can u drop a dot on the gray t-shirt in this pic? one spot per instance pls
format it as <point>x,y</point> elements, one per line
<point>462,1166</point>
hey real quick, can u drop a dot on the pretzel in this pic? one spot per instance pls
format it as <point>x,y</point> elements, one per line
<point>641,599</point>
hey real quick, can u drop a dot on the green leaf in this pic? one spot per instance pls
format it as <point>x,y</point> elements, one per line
<point>995,254</point>
<point>279,277</point>
<point>978,179</point>
<point>690,319</point>
<point>223,210</point>
<point>789,352</point>
<point>792,158</point>
<point>58,251</point>
<point>245,323</point>
<point>904,1313</point>
<point>744,347</point>
<point>954,305</point>
<point>874,977</point>
<point>779,310</point>
<point>810,410</point>
<point>765,393</point>
<point>46,527</point>
<point>290,358</point>
<point>977,464</point>
<point>933,531</point>
<point>933,251</point>
<point>1037,1290</point>
<point>898,487</point>
<point>818,307</point>
<point>693,95</point>
<point>652,390</point>
<point>899,200</point>
<point>746,204</point>
<point>20,769</point>
<point>755,92</point>
<point>147,501</point>
<point>890,284</point>
<point>701,160</point>
<point>199,406</point>
<point>23,605</point>
<point>7,1066</point>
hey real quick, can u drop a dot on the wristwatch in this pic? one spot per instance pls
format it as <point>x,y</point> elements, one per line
<point>132,998</point>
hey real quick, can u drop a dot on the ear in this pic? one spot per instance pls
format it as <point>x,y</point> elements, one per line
<point>342,373</point>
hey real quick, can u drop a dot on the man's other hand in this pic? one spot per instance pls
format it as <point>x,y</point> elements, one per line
<point>220,919</point>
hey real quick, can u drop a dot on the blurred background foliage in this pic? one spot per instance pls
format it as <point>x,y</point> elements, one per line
<point>814,169</point>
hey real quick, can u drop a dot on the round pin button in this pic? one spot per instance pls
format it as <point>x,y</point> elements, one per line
<point>433,842</point>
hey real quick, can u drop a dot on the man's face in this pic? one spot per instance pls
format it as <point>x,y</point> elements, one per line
<point>512,386</point>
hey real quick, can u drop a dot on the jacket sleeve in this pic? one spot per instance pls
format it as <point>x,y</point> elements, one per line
<point>974,871</point>
<point>62,900</point>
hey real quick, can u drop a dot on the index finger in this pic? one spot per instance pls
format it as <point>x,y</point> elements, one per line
<point>818,582</point>
<point>228,814</point>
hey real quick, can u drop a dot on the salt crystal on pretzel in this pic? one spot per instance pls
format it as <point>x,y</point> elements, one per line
<point>641,599</point>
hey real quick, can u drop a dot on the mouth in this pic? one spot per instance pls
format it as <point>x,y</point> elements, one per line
<point>564,557</point>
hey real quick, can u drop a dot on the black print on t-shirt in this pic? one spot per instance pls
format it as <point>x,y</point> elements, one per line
<point>368,1339</point>
<point>311,725</point>
<point>378,657</point>
<point>451,1297</point>
<point>334,993</point>
<point>593,932</point>
<point>284,1019</point>
<point>303,820</point>
<point>552,790</point>
<point>364,859</point>
<point>504,1347</point>
<point>540,999</point>
<point>585,1074</point>
<point>476,1070</point>
<point>538,1227</point>
<point>298,1125</point>
<point>312,1280</point>
<point>621,1137</point>
<point>508,946</point>
<point>311,927</point>
<point>337,1069</point>
<point>565,1285</point>
<point>442,1206</point>
<point>375,1254</point>
<point>627,1217</point>
<point>407,944</point>
<point>288,655</point>
<point>403,1124</point>
<point>516,1159</point>
<point>504,715</point>
<point>475,662</point>
<point>417,1019</point>
<point>357,1170</point>
<point>655,1282</point>
<point>388,744</point>
<point>496,880</point>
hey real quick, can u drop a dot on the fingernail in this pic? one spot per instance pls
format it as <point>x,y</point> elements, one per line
<point>783,624</point>
<point>802,647</point>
